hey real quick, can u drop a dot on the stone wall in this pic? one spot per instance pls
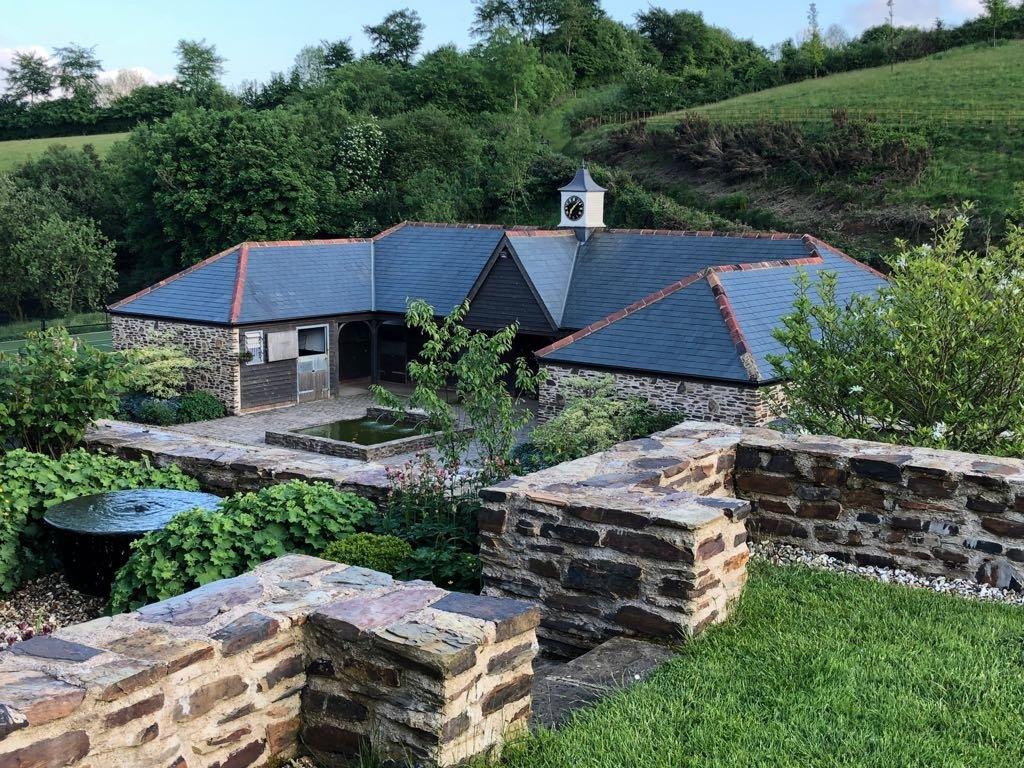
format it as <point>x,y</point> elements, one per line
<point>699,400</point>
<point>214,347</point>
<point>638,541</point>
<point>237,673</point>
<point>932,512</point>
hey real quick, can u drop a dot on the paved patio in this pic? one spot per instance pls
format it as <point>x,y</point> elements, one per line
<point>251,428</point>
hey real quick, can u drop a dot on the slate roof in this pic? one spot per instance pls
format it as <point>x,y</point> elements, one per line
<point>685,303</point>
<point>673,331</point>
<point>548,258</point>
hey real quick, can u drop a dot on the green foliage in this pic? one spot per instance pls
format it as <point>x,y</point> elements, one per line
<point>935,360</point>
<point>474,365</point>
<point>198,546</point>
<point>378,552</point>
<point>31,483</point>
<point>199,406</point>
<point>593,419</point>
<point>53,389</point>
<point>48,256</point>
<point>198,69</point>
<point>397,38</point>
<point>162,413</point>
<point>158,370</point>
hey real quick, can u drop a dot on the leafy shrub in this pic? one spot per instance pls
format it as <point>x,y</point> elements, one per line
<point>31,483</point>
<point>371,550</point>
<point>425,508</point>
<point>158,371</point>
<point>200,546</point>
<point>53,390</point>
<point>594,419</point>
<point>199,406</point>
<point>160,412</point>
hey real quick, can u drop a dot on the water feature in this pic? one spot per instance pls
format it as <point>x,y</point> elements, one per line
<point>365,431</point>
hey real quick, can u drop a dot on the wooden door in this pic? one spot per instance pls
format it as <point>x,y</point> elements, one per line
<point>312,371</point>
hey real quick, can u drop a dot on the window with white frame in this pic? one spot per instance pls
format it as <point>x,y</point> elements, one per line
<point>254,348</point>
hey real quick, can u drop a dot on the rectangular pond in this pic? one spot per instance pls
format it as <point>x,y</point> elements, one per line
<point>380,433</point>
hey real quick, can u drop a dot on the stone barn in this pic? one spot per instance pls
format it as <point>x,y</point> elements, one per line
<point>681,318</point>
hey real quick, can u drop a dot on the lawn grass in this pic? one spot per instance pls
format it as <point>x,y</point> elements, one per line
<point>15,152</point>
<point>817,669</point>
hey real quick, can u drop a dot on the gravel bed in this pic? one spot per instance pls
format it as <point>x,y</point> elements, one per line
<point>44,605</point>
<point>785,554</point>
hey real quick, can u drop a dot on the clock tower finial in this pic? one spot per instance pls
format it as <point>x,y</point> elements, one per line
<point>582,204</point>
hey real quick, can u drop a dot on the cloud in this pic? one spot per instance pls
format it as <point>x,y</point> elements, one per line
<point>148,75</point>
<point>916,13</point>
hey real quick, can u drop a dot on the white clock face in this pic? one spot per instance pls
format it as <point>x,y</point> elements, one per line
<point>573,208</point>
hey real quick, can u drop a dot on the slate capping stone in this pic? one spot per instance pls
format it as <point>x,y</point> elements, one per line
<point>54,649</point>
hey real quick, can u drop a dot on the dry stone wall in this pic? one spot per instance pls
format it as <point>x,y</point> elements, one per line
<point>237,673</point>
<point>638,541</point>
<point>700,400</point>
<point>933,512</point>
<point>215,348</point>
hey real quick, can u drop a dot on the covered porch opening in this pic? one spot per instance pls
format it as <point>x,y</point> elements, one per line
<point>355,353</point>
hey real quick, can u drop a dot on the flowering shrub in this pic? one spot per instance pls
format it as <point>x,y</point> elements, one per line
<point>429,507</point>
<point>934,359</point>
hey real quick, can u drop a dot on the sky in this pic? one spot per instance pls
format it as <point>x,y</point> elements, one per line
<point>262,36</point>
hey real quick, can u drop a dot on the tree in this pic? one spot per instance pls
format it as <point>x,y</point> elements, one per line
<point>76,264</point>
<point>891,5</point>
<point>525,18</point>
<point>199,68</point>
<point>29,77</point>
<point>310,67</point>
<point>77,70</point>
<point>936,359</point>
<point>397,38</point>
<point>814,45</point>
<point>337,53</point>
<point>126,82</point>
<point>998,12</point>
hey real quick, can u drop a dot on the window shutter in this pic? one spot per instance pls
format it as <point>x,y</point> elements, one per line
<point>254,347</point>
<point>282,345</point>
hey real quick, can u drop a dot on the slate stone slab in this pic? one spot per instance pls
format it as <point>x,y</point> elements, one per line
<point>200,606</point>
<point>511,617</point>
<point>54,649</point>
<point>245,632</point>
<point>351,617</point>
<point>34,698</point>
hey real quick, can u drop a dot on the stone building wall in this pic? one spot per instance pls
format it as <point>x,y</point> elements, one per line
<point>214,347</point>
<point>933,512</point>
<point>637,541</point>
<point>235,673</point>
<point>699,400</point>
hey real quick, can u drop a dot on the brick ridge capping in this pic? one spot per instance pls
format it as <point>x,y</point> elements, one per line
<point>708,273</point>
<point>237,672</point>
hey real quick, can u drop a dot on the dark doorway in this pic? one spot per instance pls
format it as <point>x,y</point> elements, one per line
<point>394,352</point>
<point>524,346</point>
<point>354,355</point>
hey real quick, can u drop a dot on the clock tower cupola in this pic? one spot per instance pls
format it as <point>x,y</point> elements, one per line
<point>582,205</point>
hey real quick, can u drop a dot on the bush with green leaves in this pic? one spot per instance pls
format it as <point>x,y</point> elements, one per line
<point>199,406</point>
<point>594,419</point>
<point>163,413</point>
<point>936,358</point>
<point>199,546</point>
<point>378,552</point>
<point>53,389</point>
<point>31,483</point>
<point>158,371</point>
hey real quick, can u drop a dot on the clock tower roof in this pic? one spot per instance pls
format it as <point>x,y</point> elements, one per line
<point>582,182</point>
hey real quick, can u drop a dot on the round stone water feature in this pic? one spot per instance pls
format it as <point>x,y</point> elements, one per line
<point>93,533</point>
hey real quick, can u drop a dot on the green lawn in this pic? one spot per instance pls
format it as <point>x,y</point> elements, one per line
<point>12,335</point>
<point>818,669</point>
<point>15,152</point>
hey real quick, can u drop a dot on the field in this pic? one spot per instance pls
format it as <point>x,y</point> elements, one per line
<point>817,670</point>
<point>17,151</point>
<point>967,101</point>
<point>90,327</point>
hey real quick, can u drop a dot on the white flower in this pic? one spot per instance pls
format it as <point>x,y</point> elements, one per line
<point>939,430</point>
<point>856,389</point>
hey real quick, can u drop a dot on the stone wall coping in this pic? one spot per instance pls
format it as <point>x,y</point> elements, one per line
<point>50,677</point>
<point>927,460</point>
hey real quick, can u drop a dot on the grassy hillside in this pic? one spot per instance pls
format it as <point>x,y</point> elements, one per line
<point>966,102</point>
<point>14,152</point>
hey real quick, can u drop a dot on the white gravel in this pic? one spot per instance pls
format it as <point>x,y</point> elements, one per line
<point>785,554</point>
